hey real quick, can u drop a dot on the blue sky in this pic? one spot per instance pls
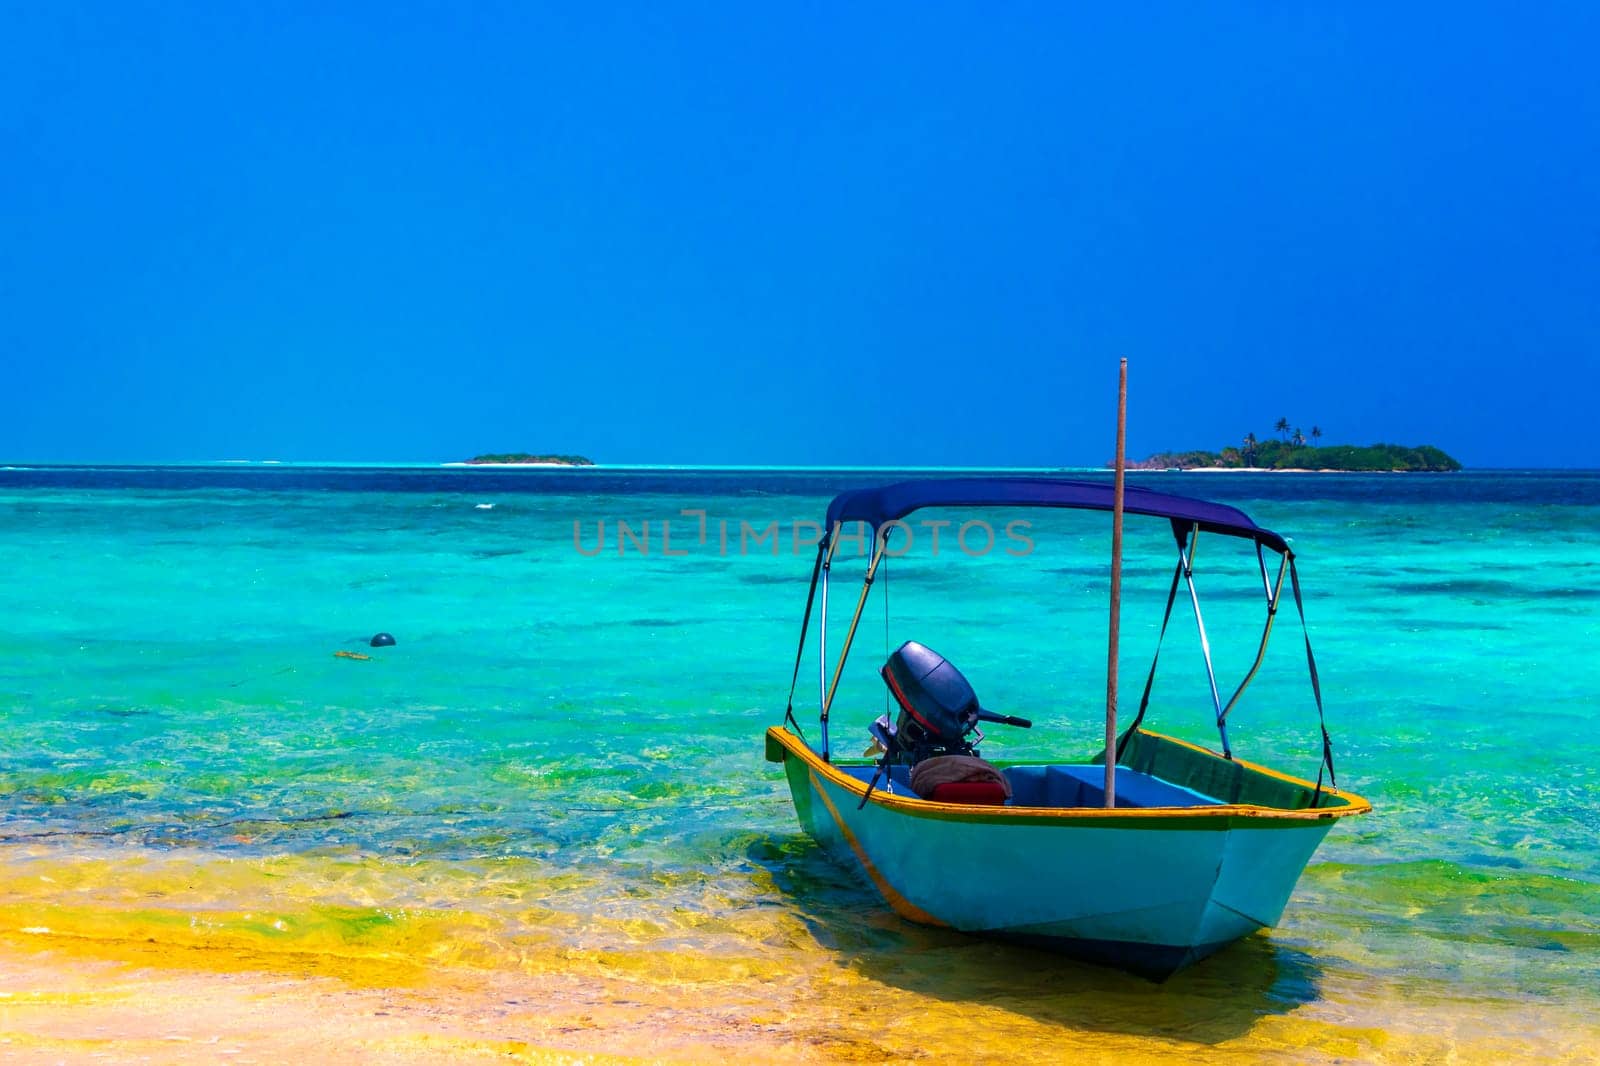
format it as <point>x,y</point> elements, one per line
<point>862,234</point>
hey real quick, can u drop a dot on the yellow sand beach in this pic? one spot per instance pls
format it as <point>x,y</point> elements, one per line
<point>203,960</point>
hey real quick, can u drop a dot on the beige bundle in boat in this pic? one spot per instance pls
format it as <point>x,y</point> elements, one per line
<point>929,774</point>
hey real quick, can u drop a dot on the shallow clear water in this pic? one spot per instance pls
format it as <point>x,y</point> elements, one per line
<point>558,767</point>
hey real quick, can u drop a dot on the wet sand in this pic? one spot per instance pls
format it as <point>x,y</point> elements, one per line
<point>108,991</point>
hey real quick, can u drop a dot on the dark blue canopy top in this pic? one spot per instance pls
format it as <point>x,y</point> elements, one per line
<point>886,503</point>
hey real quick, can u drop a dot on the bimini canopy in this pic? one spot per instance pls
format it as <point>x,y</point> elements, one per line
<point>888,503</point>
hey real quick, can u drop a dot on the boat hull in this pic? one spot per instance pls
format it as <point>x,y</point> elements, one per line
<point>1149,890</point>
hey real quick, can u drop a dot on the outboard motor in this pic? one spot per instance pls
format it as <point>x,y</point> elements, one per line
<point>938,709</point>
<point>939,716</point>
<point>939,712</point>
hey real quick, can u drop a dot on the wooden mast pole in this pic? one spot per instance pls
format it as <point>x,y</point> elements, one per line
<point>1115,629</point>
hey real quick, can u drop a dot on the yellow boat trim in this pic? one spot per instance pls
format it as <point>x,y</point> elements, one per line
<point>793,745</point>
<point>902,906</point>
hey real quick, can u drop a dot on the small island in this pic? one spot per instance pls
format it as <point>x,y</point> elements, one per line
<point>1293,450</point>
<point>528,459</point>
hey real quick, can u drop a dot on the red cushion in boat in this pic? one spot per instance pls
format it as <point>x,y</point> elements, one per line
<point>978,793</point>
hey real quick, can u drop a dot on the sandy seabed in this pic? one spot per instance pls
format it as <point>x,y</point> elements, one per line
<point>155,958</point>
<point>71,999</point>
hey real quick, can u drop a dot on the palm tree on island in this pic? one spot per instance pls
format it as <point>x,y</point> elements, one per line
<point>1281,428</point>
<point>1316,433</point>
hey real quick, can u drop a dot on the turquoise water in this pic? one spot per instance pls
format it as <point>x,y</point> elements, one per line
<point>562,754</point>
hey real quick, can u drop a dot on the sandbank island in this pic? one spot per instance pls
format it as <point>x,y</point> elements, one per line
<point>525,459</point>
<point>1295,452</point>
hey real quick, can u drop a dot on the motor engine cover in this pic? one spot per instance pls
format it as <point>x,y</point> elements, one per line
<point>932,694</point>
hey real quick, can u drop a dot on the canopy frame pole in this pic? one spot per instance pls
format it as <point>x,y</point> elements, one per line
<point>1187,558</point>
<point>822,639</point>
<point>1114,631</point>
<point>800,645</point>
<point>886,558</point>
<point>1273,596</point>
<point>879,542</point>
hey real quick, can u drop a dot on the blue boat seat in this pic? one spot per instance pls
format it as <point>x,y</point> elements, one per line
<point>1084,786</point>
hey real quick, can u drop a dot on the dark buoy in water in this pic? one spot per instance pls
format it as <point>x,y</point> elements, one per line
<point>382,640</point>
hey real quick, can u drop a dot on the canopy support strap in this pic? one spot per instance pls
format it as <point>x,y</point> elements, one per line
<point>849,638</point>
<point>805,622</point>
<point>1150,678</point>
<point>1316,691</point>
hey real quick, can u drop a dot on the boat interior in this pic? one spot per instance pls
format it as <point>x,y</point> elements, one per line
<point>1065,786</point>
<point>938,716</point>
<point>1153,771</point>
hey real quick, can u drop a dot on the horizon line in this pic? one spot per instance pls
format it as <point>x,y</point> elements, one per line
<point>359,464</point>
